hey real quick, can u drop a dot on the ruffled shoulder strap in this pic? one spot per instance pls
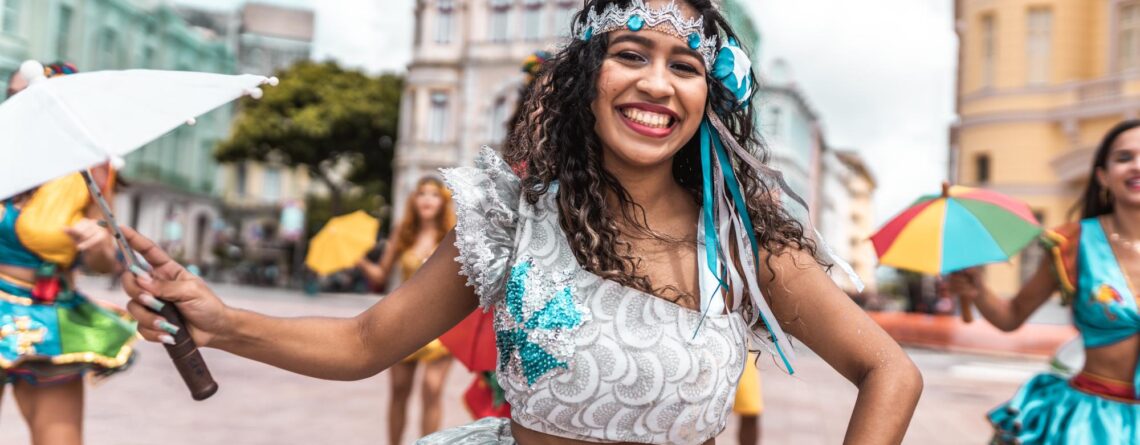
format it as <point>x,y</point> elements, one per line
<point>1061,243</point>
<point>487,200</point>
<point>55,206</point>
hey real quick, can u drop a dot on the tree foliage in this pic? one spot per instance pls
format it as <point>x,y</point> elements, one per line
<point>339,123</point>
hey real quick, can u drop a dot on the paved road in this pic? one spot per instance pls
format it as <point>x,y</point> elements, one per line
<point>259,404</point>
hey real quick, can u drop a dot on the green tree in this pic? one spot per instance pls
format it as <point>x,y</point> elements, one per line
<point>328,119</point>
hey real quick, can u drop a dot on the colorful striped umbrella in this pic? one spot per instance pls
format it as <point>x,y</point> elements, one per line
<point>960,228</point>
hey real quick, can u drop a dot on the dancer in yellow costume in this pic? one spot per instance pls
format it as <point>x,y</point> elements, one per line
<point>749,403</point>
<point>427,218</point>
<point>50,334</point>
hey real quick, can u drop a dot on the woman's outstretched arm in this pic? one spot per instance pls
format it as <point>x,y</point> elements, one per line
<point>814,310</point>
<point>1005,314</point>
<point>434,300</point>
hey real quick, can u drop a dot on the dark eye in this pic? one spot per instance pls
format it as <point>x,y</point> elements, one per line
<point>686,68</point>
<point>630,56</point>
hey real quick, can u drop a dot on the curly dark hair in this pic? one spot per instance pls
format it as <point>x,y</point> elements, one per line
<point>553,139</point>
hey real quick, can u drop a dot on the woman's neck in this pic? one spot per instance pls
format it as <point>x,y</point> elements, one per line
<point>1126,221</point>
<point>653,189</point>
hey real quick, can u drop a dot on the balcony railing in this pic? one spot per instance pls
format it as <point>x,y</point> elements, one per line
<point>1100,89</point>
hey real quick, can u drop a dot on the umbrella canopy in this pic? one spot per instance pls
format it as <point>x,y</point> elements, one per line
<point>342,242</point>
<point>69,123</point>
<point>472,341</point>
<point>961,228</point>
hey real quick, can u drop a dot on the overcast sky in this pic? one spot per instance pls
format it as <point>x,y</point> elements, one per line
<point>880,73</point>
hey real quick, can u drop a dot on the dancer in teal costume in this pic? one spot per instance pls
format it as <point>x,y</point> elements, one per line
<point>1091,263</point>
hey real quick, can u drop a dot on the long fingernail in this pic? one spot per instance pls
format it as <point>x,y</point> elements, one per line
<point>166,339</point>
<point>166,326</point>
<point>151,302</point>
<point>141,274</point>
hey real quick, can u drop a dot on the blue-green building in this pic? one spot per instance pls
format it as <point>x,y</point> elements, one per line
<point>174,178</point>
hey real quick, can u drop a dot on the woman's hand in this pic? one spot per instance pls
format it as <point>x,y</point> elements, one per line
<point>966,283</point>
<point>373,273</point>
<point>202,311</point>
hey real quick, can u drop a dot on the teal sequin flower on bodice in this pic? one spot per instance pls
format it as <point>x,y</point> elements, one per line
<point>535,322</point>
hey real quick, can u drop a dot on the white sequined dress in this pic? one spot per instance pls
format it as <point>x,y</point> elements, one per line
<point>582,357</point>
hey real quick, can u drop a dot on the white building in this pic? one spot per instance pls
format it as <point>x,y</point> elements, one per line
<point>464,78</point>
<point>844,213</point>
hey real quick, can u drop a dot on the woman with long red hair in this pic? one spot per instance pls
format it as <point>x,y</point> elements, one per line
<point>428,216</point>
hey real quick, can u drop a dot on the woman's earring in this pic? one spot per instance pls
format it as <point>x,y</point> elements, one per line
<point>1105,197</point>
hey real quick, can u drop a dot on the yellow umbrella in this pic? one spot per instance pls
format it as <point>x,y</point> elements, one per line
<point>342,242</point>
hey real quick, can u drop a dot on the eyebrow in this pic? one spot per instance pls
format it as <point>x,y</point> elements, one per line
<point>647,42</point>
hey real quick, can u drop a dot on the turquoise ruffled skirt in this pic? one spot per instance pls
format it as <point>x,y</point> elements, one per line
<point>1048,410</point>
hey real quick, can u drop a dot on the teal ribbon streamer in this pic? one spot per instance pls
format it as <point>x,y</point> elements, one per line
<point>710,140</point>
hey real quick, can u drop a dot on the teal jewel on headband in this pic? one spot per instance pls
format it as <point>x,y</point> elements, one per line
<point>635,23</point>
<point>694,40</point>
<point>589,33</point>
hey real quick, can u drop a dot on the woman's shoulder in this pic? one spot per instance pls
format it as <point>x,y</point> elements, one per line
<point>487,197</point>
<point>1064,235</point>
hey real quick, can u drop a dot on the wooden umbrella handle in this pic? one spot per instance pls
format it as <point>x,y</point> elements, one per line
<point>967,308</point>
<point>966,303</point>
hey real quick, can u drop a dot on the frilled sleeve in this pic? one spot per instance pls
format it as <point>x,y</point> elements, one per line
<point>1061,243</point>
<point>486,207</point>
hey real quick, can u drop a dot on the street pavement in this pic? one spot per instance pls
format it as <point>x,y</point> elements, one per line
<point>259,404</point>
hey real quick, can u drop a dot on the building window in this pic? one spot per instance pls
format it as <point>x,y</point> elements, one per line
<point>564,17</point>
<point>499,121</point>
<point>446,21</point>
<point>240,170</point>
<point>982,167</point>
<point>418,31</point>
<point>500,20</point>
<point>271,185</point>
<point>63,32</point>
<point>532,20</point>
<point>989,50</point>
<point>11,16</point>
<point>775,121</point>
<point>1039,44</point>
<point>1129,38</point>
<point>107,50</point>
<point>437,117</point>
<point>148,57</point>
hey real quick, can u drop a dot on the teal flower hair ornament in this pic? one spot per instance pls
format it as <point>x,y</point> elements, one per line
<point>733,69</point>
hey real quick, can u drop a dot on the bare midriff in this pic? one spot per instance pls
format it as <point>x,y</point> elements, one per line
<point>525,436</point>
<point>24,275</point>
<point>1116,361</point>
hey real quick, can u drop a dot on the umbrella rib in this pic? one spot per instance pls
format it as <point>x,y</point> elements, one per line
<point>78,123</point>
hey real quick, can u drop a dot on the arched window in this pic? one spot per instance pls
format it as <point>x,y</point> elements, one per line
<point>564,17</point>
<point>532,20</point>
<point>499,24</point>
<point>445,21</point>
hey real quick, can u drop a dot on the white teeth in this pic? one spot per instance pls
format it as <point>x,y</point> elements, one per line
<point>647,118</point>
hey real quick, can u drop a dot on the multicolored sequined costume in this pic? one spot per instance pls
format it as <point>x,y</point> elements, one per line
<point>50,333</point>
<point>582,357</point>
<point>1087,409</point>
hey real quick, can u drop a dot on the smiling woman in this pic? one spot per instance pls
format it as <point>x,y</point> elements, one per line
<point>632,246</point>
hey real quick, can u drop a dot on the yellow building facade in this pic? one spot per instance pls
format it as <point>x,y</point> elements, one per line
<point>1039,83</point>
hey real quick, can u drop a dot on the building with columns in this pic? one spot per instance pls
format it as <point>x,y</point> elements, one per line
<point>464,79</point>
<point>1039,84</point>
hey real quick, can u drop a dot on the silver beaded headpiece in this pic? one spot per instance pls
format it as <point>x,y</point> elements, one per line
<point>638,16</point>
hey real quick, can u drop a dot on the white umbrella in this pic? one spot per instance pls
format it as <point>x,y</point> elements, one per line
<point>71,123</point>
